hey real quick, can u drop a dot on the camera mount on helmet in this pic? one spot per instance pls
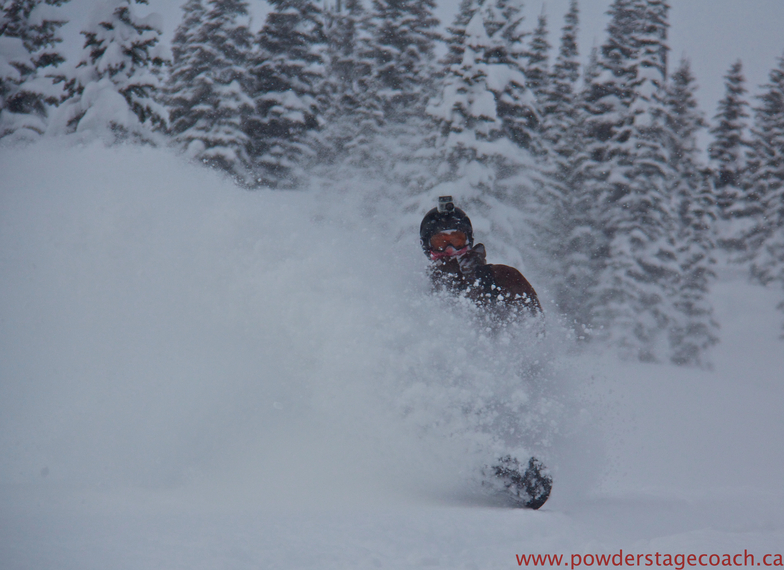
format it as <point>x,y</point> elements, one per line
<point>446,204</point>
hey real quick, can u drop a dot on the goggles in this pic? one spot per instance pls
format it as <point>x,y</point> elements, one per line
<point>441,241</point>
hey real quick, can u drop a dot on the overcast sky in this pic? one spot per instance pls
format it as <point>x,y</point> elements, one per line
<point>712,33</point>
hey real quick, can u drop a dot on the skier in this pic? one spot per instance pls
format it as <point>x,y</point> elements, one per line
<point>459,266</point>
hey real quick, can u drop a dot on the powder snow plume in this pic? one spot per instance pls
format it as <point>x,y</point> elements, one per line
<point>163,328</point>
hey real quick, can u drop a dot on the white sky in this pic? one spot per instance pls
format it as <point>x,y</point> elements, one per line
<point>712,33</point>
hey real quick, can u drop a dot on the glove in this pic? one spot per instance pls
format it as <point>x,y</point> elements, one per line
<point>471,260</point>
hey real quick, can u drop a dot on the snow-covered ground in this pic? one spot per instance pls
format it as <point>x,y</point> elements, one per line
<point>194,376</point>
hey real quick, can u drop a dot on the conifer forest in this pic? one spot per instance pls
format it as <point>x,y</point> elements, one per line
<point>590,176</point>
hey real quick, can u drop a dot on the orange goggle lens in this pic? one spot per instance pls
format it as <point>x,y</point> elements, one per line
<point>440,242</point>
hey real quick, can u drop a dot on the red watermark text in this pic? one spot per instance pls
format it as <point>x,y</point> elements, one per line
<point>674,561</point>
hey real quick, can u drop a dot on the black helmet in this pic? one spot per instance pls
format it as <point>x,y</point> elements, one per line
<point>444,217</point>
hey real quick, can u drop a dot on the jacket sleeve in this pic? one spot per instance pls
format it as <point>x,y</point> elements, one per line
<point>506,284</point>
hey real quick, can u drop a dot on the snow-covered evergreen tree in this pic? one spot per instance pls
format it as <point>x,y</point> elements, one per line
<point>565,232</point>
<point>575,237</point>
<point>628,173</point>
<point>692,328</point>
<point>466,109</point>
<point>517,105</point>
<point>727,153</point>
<point>607,99</point>
<point>478,161</point>
<point>559,102</point>
<point>28,51</point>
<point>604,105</point>
<point>538,70</point>
<point>353,115</point>
<point>728,148</point>
<point>767,237</point>
<point>189,61</point>
<point>288,71</point>
<point>455,38</point>
<point>209,85</point>
<point>114,92</point>
<point>405,36</point>
<point>404,78</point>
<point>560,107</point>
<point>642,261</point>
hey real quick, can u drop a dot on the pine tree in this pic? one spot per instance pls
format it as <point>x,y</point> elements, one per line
<point>188,63</point>
<point>352,114</point>
<point>517,105</point>
<point>728,160</point>
<point>729,145</point>
<point>607,99</point>
<point>404,79</point>
<point>628,175</point>
<point>561,105</point>
<point>767,164</point>
<point>603,160</point>
<point>563,79</point>
<point>478,160</point>
<point>578,240</point>
<point>209,86</point>
<point>116,86</point>
<point>767,237</point>
<point>404,49</point>
<point>591,72</point>
<point>28,52</point>
<point>692,328</point>
<point>646,216</point>
<point>288,72</point>
<point>538,72</point>
<point>565,234</point>
<point>455,39</point>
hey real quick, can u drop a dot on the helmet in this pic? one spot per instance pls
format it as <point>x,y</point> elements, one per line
<point>444,217</point>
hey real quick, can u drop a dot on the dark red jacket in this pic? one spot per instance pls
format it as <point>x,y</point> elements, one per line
<point>500,288</point>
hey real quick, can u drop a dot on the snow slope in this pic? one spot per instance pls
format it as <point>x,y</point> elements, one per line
<point>195,376</point>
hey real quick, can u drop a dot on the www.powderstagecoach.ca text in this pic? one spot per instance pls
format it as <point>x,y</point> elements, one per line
<point>656,559</point>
